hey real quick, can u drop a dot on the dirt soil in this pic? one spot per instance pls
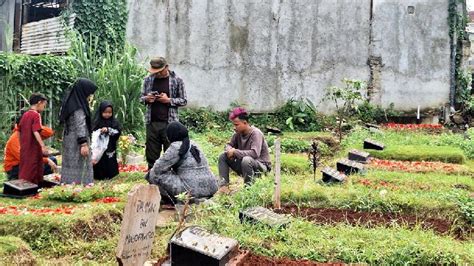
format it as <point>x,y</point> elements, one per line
<point>333,216</point>
<point>257,260</point>
<point>253,260</point>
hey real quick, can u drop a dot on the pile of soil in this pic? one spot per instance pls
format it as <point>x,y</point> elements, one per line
<point>370,219</point>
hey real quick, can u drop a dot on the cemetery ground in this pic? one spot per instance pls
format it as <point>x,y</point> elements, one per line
<point>415,204</point>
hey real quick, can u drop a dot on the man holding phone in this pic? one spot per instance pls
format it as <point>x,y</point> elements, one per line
<point>162,93</point>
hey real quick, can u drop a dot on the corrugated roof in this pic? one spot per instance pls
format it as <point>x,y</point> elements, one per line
<point>45,36</point>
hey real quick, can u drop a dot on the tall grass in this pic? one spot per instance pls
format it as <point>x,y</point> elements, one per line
<point>117,74</point>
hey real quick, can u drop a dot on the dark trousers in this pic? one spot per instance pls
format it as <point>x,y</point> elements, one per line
<point>13,174</point>
<point>248,168</point>
<point>156,141</point>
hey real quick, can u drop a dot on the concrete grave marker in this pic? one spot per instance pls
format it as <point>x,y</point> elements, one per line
<point>138,225</point>
<point>350,167</point>
<point>196,246</point>
<point>264,216</point>
<point>331,175</point>
<point>373,145</point>
<point>359,156</point>
<point>19,188</point>
<point>370,125</point>
<point>134,159</point>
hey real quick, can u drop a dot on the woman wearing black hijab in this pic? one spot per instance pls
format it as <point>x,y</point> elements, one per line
<point>75,115</point>
<point>182,168</point>
<point>105,121</point>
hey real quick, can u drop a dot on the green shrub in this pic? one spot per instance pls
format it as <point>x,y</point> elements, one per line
<point>204,119</point>
<point>370,113</point>
<point>421,153</point>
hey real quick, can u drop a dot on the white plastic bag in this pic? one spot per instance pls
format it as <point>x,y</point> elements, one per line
<point>99,144</point>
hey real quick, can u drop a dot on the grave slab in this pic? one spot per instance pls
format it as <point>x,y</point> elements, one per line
<point>20,188</point>
<point>373,145</point>
<point>331,175</point>
<point>264,216</point>
<point>359,156</point>
<point>196,246</point>
<point>350,167</point>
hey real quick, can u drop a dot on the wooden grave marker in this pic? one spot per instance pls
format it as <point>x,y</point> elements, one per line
<point>138,225</point>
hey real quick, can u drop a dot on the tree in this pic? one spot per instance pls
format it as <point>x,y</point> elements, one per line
<point>345,99</point>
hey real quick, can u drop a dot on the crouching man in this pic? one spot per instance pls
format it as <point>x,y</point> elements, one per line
<point>246,153</point>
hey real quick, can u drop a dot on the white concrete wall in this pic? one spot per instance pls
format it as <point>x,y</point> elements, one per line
<point>264,52</point>
<point>415,52</point>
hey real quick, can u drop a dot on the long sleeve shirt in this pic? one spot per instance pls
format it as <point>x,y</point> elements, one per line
<point>253,144</point>
<point>177,96</point>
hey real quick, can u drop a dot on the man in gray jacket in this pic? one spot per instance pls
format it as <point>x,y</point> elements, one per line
<point>246,153</point>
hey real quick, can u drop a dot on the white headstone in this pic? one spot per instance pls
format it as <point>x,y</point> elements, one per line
<point>138,225</point>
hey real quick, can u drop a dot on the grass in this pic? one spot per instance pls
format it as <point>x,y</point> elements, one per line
<point>90,235</point>
<point>420,153</point>
<point>303,240</point>
<point>14,250</point>
<point>406,138</point>
<point>294,163</point>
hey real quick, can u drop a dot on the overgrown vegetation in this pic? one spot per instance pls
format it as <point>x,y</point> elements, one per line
<point>463,99</point>
<point>105,20</point>
<point>20,75</point>
<point>117,74</point>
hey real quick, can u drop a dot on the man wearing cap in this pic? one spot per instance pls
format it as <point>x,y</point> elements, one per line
<point>163,92</point>
<point>246,153</point>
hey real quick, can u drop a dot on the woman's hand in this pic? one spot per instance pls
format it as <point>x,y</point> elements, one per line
<point>85,150</point>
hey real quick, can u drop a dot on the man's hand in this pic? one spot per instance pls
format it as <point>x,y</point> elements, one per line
<point>104,130</point>
<point>85,150</point>
<point>94,162</point>
<point>53,166</point>
<point>230,153</point>
<point>150,98</point>
<point>163,98</point>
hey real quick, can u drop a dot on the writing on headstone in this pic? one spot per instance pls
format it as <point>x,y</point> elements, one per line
<point>196,246</point>
<point>20,188</point>
<point>138,225</point>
